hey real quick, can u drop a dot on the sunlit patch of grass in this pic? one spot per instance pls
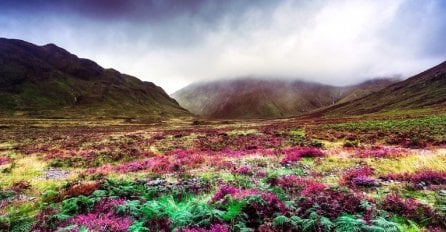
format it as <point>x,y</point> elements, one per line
<point>256,160</point>
<point>331,180</point>
<point>7,146</point>
<point>242,132</point>
<point>227,176</point>
<point>32,169</point>
<point>409,164</point>
<point>426,196</point>
<point>298,132</point>
<point>333,164</point>
<point>27,168</point>
<point>280,171</point>
<point>331,145</point>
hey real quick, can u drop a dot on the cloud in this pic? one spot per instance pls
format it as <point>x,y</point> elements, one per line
<point>174,43</point>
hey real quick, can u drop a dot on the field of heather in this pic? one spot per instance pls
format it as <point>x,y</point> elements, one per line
<point>377,174</point>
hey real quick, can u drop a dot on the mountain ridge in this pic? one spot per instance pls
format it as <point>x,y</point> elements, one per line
<point>50,81</point>
<point>252,97</point>
<point>421,91</point>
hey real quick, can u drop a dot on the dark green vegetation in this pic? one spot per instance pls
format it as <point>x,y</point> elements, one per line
<point>408,132</point>
<point>48,81</point>
<point>263,98</point>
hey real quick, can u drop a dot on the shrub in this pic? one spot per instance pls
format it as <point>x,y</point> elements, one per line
<point>299,185</point>
<point>234,192</point>
<point>409,208</point>
<point>4,160</point>
<point>260,207</point>
<point>360,173</point>
<point>249,206</point>
<point>102,217</point>
<point>284,223</point>
<point>364,181</point>
<point>415,142</point>
<point>21,186</point>
<point>350,223</point>
<point>330,203</point>
<point>311,152</point>
<point>380,152</point>
<point>244,170</point>
<point>351,143</point>
<point>420,178</point>
<point>84,189</point>
<point>295,154</point>
<point>101,222</point>
<point>213,228</point>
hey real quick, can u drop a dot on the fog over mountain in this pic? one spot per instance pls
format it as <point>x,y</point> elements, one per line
<point>177,42</point>
<point>261,97</point>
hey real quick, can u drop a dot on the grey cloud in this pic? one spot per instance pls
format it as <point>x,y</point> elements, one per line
<point>174,43</point>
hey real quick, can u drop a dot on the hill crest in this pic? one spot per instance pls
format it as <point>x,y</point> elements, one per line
<point>50,81</point>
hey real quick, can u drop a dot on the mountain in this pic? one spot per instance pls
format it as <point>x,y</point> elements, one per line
<point>49,81</point>
<point>365,88</point>
<point>266,98</point>
<point>424,90</point>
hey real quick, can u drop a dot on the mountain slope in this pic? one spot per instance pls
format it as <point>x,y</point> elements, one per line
<point>424,90</point>
<point>49,81</point>
<point>365,88</point>
<point>265,98</point>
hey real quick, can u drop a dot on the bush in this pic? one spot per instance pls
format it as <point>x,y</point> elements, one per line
<point>420,178</point>
<point>410,209</point>
<point>79,189</point>
<point>361,174</point>
<point>299,185</point>
<point>351,143</point>
<point>295,154</point>
<point>364,181</point>
<point>330,203</point>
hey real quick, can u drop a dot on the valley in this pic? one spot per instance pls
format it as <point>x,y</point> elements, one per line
<point>380,172</point>
<point>83,148</point>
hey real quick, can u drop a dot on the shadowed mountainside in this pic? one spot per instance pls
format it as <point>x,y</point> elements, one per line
<point>48,81</point>
<point>426,90</point>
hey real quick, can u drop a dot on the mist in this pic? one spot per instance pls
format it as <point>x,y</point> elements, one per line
<point>175,43</point>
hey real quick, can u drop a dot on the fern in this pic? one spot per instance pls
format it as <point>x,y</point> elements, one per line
<point>412,227</point>
<point>326,223</point>
<point>233,209</point>
<point>78,205</point>
<point>204,214</point>
<point>281,220</point>
<point>67,228</point>
<point>292,222</point>
<point>240,226</point>
<point>384,225</point>
<point>83,229</point>
<point>316,222</point>
<point>138,226</point>
<point>20,220</point>
<point>60,217</point>
<point>406,225</point>
<point>21,225</point>
<point>440,202</point>
<point>151,210</point>
<point>189,211</point>
<point>349,223</point>
<point>309,224</point>
<point>178,212</point>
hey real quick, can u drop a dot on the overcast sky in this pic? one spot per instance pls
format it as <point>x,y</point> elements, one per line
<point>176,42</point>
